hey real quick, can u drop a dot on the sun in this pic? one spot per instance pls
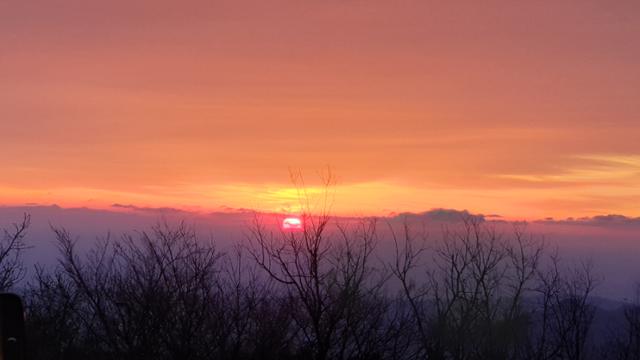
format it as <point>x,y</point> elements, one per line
<point>292,223</point>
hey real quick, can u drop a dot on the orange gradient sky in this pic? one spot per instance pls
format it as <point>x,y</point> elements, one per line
<point>525,109</point>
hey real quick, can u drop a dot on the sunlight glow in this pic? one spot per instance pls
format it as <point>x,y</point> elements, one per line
<point>292,223</point>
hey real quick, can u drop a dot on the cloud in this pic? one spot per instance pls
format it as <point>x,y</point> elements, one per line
<point>153,210</point>
<point>598,220</point>
<point>441,215</point>
<point>229,209</point>
<point>588,169</point>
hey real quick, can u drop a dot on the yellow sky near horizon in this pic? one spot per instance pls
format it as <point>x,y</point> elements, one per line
<point>523,109</point>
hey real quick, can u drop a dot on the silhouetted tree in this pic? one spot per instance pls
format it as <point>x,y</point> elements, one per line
<point>163,294</point>
<point>325,271</point>
<point>12,246</point>
<point>317,293</point>
<point>563,313</point>
<point>470,303</point>
<point>624,341</point>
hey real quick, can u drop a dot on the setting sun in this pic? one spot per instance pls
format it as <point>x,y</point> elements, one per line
<point>292,223</point>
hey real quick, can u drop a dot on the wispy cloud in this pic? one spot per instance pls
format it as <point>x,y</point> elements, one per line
<point>589,169</point>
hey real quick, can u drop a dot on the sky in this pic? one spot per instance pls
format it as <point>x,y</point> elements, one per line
<point>523,109</point>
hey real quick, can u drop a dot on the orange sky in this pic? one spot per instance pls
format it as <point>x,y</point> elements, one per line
<point>526,109</point>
